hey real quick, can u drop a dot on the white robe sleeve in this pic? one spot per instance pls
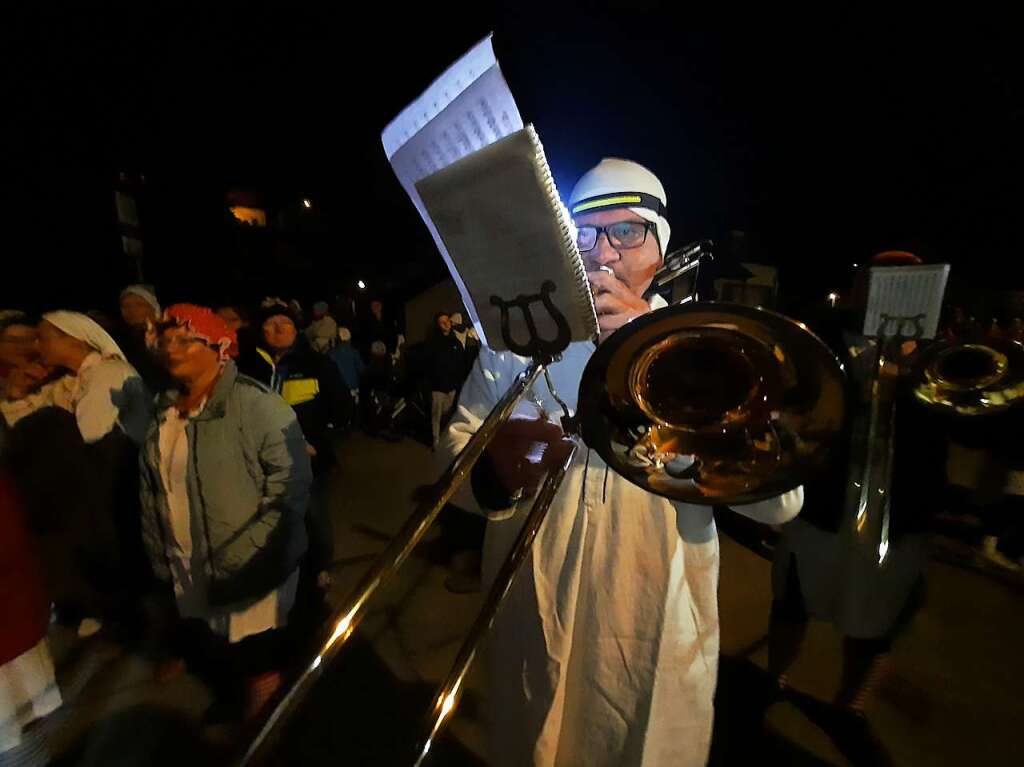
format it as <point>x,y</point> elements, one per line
<point>774,511</point>
<point>491,376</point>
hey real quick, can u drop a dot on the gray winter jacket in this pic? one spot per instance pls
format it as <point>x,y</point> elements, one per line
<point>248,479</point>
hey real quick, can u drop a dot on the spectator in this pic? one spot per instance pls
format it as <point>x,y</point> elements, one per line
<point>307,381</point>
<point>311,384</point>
<point>225,457</point>
<point>379,327</point>
<point>350,364</point>
<point>345,313</point>
<point>300,316</point>
<point>105,390</point>
<point>323,331</point>
<point>113,410</point>
<point>245,350</point>
<point>377,386</point>
<point>470,341</point>
<point>445,369</point>
<point>139,309</point>
<point>139,306</point>
<point>23,377</point>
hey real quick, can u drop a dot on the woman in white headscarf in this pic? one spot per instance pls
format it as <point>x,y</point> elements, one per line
<point>104,390</point>
<point>93,556</point>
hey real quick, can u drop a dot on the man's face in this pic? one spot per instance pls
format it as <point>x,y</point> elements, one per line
<point>230,316</point>
<point>444,324</point>
<point>186,358</point>
<point>633,266</point>
<point>18,345</point>
<point>136,311</point>
<point>279,332</point>
<point>376,307</point>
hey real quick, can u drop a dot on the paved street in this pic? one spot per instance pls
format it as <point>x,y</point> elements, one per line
<point>950,697</point>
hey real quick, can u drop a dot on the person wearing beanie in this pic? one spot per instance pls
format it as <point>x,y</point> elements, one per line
<point>225,483</point>
<point>606,652</point>
<point>311,384</point>
<point>139,306</point>
<point>323,330</point>
<point>348,361</point>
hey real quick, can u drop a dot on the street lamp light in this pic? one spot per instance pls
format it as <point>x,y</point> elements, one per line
<point>306,203</point>
<point>361,284</point>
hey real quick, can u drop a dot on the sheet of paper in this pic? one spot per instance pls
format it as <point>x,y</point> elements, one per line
<point>467,108</point>
<point>500,216</point>
<point>906,291</point>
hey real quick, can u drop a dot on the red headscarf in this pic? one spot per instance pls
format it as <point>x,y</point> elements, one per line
<point>204,324</point>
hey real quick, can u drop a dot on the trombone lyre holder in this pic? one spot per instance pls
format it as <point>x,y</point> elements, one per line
<point>345,619</point>
<point>536,347</point>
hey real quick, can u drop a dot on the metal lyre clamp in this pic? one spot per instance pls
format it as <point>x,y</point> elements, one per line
<point>536,347</point>
<point>891,323</point>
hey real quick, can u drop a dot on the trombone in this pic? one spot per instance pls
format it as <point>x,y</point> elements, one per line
<point>706,403</point>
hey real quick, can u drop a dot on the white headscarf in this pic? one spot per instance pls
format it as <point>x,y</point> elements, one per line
<point>85,329</point>
<point>611,183</point>
<point>145,293</point>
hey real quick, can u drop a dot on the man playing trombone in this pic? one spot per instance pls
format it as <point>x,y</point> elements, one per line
<point>606,651</point>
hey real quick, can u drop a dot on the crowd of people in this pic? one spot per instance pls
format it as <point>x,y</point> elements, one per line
<point>163,479</point>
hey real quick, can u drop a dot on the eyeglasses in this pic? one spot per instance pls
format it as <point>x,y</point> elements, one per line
<point>622,235</point>
<point>169,342</point>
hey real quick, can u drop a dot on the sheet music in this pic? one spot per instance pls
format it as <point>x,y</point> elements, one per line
<point>906,291</point>
<point>506,229</point>
<point>467,108</point>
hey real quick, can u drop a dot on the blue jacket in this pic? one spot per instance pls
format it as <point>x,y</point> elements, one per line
<point>248,479</point>
<point>349,363</point>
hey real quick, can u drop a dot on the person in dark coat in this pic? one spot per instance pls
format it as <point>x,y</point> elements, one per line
<point>312,385</point>
<point>378,327</point>
<point>445,371</point>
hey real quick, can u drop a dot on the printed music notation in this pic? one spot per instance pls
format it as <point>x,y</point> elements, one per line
<point>906,291</point>
<point>464,110</point>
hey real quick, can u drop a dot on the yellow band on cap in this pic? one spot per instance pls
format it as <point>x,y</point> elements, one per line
<point>604,202</point>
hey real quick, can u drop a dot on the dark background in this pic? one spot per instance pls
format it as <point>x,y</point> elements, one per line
<point>823,137</point>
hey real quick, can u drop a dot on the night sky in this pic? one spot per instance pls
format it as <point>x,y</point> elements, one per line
<point>823,138</point>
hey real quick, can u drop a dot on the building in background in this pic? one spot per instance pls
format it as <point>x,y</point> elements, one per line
<point>127,194</point>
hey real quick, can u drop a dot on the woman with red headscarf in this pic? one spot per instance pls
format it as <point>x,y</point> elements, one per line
<point>225,486</point>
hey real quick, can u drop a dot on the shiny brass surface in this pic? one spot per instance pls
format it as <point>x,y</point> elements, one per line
<point>713,403</point>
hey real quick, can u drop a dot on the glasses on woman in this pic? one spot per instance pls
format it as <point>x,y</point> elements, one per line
<point>622,235</point>
<point>165,341</point>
